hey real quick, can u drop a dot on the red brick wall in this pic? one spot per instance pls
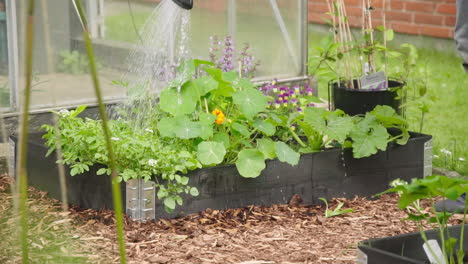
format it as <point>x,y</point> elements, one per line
<point>435,18</point>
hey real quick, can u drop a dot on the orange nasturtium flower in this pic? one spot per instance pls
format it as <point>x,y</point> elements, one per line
<point>220,117</point>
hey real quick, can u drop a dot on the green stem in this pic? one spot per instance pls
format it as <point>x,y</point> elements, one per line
<point>23,145</point>
<point>116,194</point>
<point>297,138</point>
<point>461,253</point>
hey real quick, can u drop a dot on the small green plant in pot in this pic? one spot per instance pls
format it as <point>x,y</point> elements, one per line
<point>359,65</point>
<point>452,247</point>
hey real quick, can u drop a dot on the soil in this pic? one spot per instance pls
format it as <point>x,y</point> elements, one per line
<point>291,233</point>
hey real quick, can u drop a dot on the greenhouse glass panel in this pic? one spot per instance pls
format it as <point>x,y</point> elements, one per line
<point>4,61</point>
<point>275,30</point>
<point>60,72</point>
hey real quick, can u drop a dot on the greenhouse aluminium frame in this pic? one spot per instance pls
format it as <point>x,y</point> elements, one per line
<point>14,56</point>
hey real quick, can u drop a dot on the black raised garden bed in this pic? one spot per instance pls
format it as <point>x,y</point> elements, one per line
<point>405,249</point>
<point>328,174</point>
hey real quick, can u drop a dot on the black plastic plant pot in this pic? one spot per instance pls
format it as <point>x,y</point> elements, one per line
<point>328,174</point>
<point>359,102</point>
<point>406,248</point>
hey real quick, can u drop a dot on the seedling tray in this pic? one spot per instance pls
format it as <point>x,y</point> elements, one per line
<point>403,249</point>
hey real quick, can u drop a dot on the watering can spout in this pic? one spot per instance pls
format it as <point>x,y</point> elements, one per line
<point>185,4</point>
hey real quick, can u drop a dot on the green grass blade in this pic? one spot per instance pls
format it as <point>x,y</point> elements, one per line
<point>23,137</point>
<point>116,194</point>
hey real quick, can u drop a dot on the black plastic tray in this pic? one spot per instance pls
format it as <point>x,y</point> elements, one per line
<point>406,248</point>
<point>327,174</point>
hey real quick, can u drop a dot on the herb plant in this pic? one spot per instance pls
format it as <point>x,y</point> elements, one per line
<point>430,188</point>
<point>140,154</point>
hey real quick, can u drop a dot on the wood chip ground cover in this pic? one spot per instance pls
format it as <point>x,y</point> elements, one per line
<point>254,235</point>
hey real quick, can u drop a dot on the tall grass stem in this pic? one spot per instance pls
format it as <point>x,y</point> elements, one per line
<point>116,194</point>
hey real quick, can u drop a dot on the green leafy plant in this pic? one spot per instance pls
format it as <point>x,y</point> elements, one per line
<point>430,188</point>
<point>208,116</point>
<point>337,211</point>
<point>73,62</point>
<point>140,154</point>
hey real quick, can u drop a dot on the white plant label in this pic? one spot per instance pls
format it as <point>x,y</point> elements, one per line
<point>374,81</point>
<point>434,252</point>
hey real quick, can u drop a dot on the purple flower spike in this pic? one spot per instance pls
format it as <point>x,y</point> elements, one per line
<point>275,88</point>
<point>285,102</point>
<point>299,109</point>
<point>294,102</point>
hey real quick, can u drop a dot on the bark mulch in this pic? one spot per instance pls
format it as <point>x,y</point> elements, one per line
<point>291,233</point>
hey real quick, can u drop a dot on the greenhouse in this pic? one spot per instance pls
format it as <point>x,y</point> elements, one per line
<point>233,131</point>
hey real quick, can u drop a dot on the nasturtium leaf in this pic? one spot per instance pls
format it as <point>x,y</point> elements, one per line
<point>338,127</point>
<point>210,152</point>
<point>265,127</point>
<point>206,130</point>
<point>206,125</point>
<point>242,129</point>
<point>315,117</point>
<point>230,76</point>
<point>207,118</point>
<point>216,73</point>
<point>170,203</point>
<point>204,85</point>
<point>185,128</point>
<point>242,84</point>
<point>368,139</point>
<point>222,138</point>
<point>194,191</point>
<point>267,147</point>
<point>250,101</point>
<point>250,163</point>
<point>166,127</point>
<point>198,62</point>
<point>286,153</point>
<point>179,102</point>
